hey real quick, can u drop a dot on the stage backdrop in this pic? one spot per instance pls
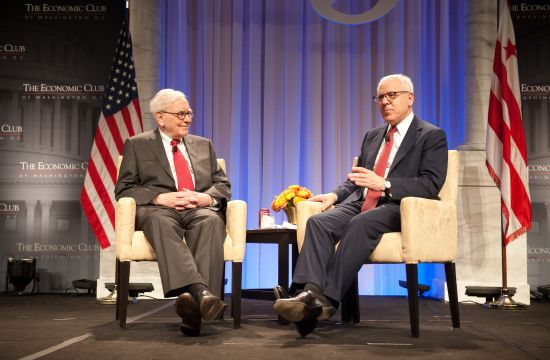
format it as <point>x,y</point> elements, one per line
<point>286,95</point>
<point>532,25</point>
<point>54,63</point>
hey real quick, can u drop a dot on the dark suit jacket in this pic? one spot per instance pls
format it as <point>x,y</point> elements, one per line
<point>419,168</point>
<point>145,170</point>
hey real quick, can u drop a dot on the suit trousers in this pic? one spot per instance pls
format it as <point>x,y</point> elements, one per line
<point>189,246</point>
<point>357,235</point>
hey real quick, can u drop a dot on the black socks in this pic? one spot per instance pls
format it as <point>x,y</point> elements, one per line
<point>319,293</point>
<point>196,288</point>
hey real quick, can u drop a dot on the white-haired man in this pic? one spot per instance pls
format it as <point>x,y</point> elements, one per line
<point>404,157</point>
<point>181,194</point>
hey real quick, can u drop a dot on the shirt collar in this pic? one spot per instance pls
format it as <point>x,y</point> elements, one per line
<point>404,125</point>
<point>165,138</point>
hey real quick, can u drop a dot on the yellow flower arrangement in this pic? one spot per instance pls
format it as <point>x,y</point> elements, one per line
<point>290,197</point>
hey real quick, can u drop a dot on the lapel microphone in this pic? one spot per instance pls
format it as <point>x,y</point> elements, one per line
<point>387,137</point>
<point>175,149</point>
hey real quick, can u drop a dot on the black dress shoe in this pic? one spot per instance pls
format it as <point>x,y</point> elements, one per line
<point>188,309</point>
<point>280,292</point>
<point>211,307</point>
<point>304,306</point>
<point>305,327</point>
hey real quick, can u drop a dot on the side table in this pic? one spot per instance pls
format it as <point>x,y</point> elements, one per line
<point>283,238</point>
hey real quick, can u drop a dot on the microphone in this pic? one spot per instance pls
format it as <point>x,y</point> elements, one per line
<point>387,137</point>
<point>175,149</point>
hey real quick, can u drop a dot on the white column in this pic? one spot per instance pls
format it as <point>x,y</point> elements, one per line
<point>75,125</point>
<point>57,128</point>
<point>33,127</point>
<point>30,231</point>
<point>45,220</point>
<point>145,30</point>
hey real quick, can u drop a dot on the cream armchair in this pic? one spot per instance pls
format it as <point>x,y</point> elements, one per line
<point>131,245</point>
<point>428,235</point>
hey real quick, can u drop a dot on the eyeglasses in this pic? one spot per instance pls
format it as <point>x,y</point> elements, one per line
<point>390,95</point>
<point>181,115</point>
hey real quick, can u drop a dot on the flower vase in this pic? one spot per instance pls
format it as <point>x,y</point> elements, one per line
<point>290,214</point>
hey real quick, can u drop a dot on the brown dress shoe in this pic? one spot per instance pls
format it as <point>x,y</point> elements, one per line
<point>188,309</point>
<point>211,307</point>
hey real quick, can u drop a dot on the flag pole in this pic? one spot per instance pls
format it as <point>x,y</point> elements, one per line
<point>505,136</point>
<point>505,301</point>
<point>111,299</point>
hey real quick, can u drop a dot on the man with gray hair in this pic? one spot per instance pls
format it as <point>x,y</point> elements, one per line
<point>404,157</point>
<point>181,194</point>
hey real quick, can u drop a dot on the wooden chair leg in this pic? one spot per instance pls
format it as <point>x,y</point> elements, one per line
<point>412,290</point>
<point>355,315</point>
<point>450,274</point>
<point>236,284</point>
<point>350,303</point>
<point>117,287</point>
<point>222,292</point>
<point>122,293</point>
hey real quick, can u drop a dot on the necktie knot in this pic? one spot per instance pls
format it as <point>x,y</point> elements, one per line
<point>174,142</point>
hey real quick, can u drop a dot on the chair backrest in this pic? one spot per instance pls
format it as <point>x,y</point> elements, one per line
<point>449,191</point>
<point>221,162</point>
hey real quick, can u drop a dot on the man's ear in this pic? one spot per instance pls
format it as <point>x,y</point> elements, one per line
<point>160,119</point>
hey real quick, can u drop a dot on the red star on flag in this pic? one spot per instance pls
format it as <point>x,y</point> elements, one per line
<point>510,49</point>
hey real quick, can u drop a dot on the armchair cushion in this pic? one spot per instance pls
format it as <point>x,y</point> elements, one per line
<point>389,250</point>
<point>130,244</point>
<point>234,245</point>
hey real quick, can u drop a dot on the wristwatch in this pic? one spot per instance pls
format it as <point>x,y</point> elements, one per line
<point>387,190</point>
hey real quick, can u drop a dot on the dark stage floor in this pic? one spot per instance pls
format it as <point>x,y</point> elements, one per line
<point>74,327</point>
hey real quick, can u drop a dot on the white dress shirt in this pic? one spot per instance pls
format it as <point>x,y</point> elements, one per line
<point>166,140</point>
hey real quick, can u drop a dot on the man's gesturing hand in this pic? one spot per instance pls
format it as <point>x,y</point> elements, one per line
<point>366,178</point>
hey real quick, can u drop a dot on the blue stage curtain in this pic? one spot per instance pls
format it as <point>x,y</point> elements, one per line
<point>286,95</point>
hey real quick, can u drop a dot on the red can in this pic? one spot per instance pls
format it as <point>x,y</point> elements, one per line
<point>263,211</point>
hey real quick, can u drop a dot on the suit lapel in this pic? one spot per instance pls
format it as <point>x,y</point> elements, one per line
<point>193,156</point>
<point>188,141</point>
<point>158,150</point>
<point>373,147</point>
<point>408,142</point>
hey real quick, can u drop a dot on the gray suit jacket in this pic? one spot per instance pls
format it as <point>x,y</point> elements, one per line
<point>145,170</point>
<point>418,169</point>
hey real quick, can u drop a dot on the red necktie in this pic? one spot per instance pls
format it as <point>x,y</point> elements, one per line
<point>379,169</point>
<point>185,181</point>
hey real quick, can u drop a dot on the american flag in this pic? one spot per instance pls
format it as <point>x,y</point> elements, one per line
<point>120,118</point>
<point>505,145</point>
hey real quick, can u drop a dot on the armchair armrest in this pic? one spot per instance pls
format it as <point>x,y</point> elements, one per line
<point>235,242</point>
<point>304,210</point>
<point>125,223</point>
<point>428,230</point>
